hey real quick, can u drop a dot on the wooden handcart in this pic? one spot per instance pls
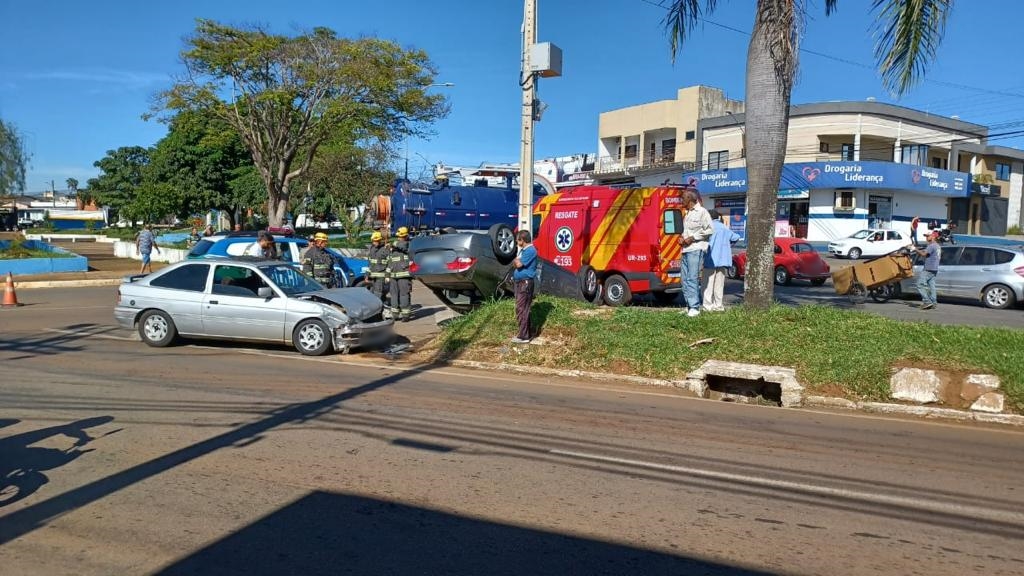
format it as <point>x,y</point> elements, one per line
<point>878,277</point>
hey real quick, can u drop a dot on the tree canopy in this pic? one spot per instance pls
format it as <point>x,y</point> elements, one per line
<point>286,96</point>
<point>13,159</point>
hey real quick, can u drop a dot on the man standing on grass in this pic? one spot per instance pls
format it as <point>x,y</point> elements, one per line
<point>932,253</point>
<point>524,278</point>
<point>717,262</point>
<point>696,231</point>
<point>145,242</point>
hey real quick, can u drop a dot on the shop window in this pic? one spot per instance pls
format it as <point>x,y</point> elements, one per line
<point>1002,171</point>
<point>845,200</point>
<point>718,160</point>
<point>846,152</point>
<point>691,134</point>
<point>916,154</point>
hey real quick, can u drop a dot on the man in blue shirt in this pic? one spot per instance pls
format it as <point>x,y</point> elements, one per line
<point>717,261</point>
<point>145,242</point>
<point>524,277</point>
<point>932,254</point>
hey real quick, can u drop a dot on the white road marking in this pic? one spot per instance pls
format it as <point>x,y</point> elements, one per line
<point>884,499</point>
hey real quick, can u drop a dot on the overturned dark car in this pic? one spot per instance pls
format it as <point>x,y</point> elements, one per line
<point>466,269</point>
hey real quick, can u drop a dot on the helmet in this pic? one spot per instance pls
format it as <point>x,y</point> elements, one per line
<point>376,237</point>
<point>320,236</point>
<point>402,232</point>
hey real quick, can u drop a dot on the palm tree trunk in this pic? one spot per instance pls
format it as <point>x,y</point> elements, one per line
<point>767,121</point>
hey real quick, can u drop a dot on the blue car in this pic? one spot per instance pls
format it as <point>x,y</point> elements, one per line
<point>349,271</point>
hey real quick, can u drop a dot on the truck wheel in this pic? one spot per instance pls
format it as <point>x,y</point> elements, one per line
<point>503,239</point>
<point>588,282</point>
<point>616,291</point>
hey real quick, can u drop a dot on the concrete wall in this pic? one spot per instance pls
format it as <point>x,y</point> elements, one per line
<point>123,249</point>
<point>27,266</point>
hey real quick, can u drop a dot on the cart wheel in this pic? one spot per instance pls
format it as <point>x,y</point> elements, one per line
<point>882,293</point>
<point>858,293</point>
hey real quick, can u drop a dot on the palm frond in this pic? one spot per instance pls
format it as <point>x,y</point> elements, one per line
<point>682,16</point>
<point>831,6</point>
<point>907,37</point>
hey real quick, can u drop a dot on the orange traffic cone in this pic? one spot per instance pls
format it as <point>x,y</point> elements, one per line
<point>10,298</point>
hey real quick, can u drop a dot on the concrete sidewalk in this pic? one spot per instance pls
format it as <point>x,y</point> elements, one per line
<point>105,269</point>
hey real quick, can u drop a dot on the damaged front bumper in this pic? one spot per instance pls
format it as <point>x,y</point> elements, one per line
<point>364,335</point>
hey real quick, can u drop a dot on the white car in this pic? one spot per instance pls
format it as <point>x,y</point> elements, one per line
<point>870,242</point>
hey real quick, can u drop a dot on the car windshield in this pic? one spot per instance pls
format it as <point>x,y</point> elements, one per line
<point>201,247</point>
<point>861,235</point>
<point>290,280</point>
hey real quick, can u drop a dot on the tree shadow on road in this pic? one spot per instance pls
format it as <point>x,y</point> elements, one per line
<point>328,533</point>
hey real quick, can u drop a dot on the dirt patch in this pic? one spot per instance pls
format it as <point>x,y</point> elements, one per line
<point>952,382</point>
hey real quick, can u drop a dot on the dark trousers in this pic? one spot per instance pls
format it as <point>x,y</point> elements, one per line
<point>524,299</point>
<point>401,292</point>
<point>379,286</point>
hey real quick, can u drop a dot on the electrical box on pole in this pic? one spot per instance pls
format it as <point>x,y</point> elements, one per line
<point>546,60</point>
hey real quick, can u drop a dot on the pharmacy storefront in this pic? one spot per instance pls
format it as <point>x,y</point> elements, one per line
<point>829,200</point>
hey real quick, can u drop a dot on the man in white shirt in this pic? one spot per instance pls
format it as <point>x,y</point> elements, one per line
<point>264,247</point>
<point>696,231</point>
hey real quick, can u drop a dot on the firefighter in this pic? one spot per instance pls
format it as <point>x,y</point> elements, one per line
<point>318,263</point>
<point>380,254</point>
<point>401,279</point>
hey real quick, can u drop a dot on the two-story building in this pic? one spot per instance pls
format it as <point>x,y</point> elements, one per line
<point>852,165</point>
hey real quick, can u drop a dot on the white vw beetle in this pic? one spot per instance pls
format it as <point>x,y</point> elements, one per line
<point>869,242</point>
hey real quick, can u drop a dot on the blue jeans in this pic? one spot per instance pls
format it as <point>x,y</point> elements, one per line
<point>691,277</point>
<point>926,286</point>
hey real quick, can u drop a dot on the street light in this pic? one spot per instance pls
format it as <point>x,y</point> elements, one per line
<point>438,85</point>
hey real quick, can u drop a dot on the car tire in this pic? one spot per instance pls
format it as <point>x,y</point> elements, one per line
<point>818,281</point>
<point>616,291</point>
<point>730,273</point>
<point>312,337</point>
<point>588,282</point>
<point>157,329</point>
<point>854,254</point>
<point>997,296</point>
<point>503,240</point>
<point>781,276</point>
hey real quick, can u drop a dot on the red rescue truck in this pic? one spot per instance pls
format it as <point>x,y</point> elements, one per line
<point>618,242</point>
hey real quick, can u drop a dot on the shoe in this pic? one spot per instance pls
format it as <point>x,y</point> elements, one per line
<point>693,312</point>
<point>927,306</point>
<point>518,340</point>
<point>406,318</point>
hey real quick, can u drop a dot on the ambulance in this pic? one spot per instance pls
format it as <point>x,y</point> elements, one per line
<point>618,242</point>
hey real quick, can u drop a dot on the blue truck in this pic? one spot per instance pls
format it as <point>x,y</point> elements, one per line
<point>441,205</point>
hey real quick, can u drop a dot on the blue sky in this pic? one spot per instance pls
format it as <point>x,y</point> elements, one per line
<point>76,77</point>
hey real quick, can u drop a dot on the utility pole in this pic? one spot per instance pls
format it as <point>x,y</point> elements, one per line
<point>53,194</point>
<point>528,81</point>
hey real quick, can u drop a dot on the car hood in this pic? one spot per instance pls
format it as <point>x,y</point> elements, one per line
<point>359,303</point>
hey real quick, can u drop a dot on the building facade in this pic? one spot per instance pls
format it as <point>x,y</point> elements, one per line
<point>853,165</point>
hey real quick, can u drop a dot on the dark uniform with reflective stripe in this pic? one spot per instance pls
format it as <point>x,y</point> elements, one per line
<point>379,260</point>
<point>401,280</point>
<point>320,265</point>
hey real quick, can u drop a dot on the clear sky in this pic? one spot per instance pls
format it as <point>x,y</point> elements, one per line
<point>76,76</point>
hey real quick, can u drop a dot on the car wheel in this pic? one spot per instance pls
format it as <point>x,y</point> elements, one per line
<point>997,296</point>
<point>731,273</point>
<point>616,291</point>
<point>818,281</point>
<point>854,254</point>
<point>858,293</point>
<point>503,239</point>
<point>588,282</point>
<point>157,329</point>
<point>781,276</point>
<point>312,337</point>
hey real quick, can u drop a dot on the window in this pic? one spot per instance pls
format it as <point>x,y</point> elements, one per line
<point>718,160</point>
<point>890,235</point>
<point>201,247</point>
<point>972,256</point>
<point>846,152</point>
<point>290,280</point>
<point>191,277</point>
<point>916,154</point>
<point>1001,256</point>
<point>823,147</point>
<point>668,149</point>
<point>236,281</point>
<point>673,221</point>
<point>631,150</point>
<point>284,251</point>
<point>801,248</point>
<point>691,134</point>
<point>844,199</point>
<point>940,162</point>
<point>778,249</point>
<point>948,257</point>
<point>1002,171</point>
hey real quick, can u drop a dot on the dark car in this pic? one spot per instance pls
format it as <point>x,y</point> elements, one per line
<point>465,269</point>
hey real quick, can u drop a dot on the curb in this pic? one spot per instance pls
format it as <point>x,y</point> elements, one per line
<point>808,401</point>
<point>68,283</point>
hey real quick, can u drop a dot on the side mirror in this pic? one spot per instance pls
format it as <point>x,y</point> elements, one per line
<point>265,292</point>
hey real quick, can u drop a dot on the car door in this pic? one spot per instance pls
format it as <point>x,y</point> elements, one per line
<point>969,275</point>
<point>232,308</point>
<point>894,241</point>
<point>180,293</point>
<point>874,244</point>
<point>808,261</point>
<point>950,272</point>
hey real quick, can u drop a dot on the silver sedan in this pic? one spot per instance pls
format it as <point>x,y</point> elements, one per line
<point>250,300</point>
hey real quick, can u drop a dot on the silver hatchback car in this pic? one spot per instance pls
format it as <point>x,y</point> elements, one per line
<point>992,274</point>
<point>252,300</point>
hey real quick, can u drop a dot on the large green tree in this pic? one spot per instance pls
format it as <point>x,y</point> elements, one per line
<point>343,177</point>
<point>13,159</point>
<point>288,95</point>
<point>121,183</point>
<point>907,35</point>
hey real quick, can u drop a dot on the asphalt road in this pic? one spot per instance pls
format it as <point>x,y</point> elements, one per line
<point>215,459</point>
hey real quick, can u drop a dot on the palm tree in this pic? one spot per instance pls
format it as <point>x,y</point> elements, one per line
<point>907,34</point>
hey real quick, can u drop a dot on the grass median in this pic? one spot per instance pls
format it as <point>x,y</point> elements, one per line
<point>835,352</point>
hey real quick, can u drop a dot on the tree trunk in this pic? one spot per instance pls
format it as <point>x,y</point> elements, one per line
<point>767,123</point>
<point>277,205</point>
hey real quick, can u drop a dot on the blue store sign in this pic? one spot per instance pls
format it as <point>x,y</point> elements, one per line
<point>818,175</point>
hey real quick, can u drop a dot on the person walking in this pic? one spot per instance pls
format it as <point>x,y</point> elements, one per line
<point>913,229</point>
<point>524,278</point>
<point>401,280</point>
<point>145,242</point>
<point>318,262</point>
<point>932,254</point>
<point>717,262</point>
<point>379,257</point>
<point>696,231</point>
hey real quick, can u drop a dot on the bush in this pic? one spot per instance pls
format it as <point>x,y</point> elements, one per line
<point>1014,231</point>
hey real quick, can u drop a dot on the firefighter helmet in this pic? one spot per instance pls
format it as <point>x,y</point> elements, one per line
<point>320,236</point>
<point>376,237</point>
<point>402,232</point>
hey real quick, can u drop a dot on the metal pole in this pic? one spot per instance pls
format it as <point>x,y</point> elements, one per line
<point>529,93</point>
